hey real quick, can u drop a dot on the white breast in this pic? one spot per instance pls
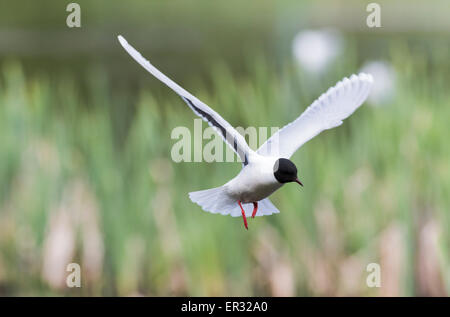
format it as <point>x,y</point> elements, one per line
<point>255,181</point>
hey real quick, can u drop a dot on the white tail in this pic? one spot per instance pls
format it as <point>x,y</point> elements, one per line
<point>216,201</point>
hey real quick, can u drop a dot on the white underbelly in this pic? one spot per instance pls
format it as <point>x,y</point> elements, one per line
<point>259,193</point>
<point>248,191</point>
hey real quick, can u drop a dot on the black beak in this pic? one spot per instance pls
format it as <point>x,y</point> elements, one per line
<point>299,182</point>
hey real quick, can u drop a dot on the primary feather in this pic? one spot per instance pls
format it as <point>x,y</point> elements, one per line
<point>229,134</point>
<point>326,112</point>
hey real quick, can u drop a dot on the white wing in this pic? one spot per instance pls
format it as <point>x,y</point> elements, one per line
<point>327,112</point>
<point>235,140</point>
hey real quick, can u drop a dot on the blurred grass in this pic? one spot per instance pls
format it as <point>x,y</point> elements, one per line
<point>98,169</point>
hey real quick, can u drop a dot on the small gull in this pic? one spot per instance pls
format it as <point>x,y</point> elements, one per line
<point>268,168</point>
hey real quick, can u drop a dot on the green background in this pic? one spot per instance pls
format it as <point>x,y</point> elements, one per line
<point>86,174</point>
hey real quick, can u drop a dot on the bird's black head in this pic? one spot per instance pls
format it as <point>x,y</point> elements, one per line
<point>285,171</point>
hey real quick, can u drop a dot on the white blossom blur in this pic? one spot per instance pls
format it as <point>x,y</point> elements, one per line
<point>383,89</point>
<point>314,50</point>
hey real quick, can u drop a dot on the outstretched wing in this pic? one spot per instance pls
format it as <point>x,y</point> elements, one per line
<point>235,140</point>
<point>327,112</point>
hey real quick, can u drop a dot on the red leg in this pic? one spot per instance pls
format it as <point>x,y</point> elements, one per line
<point>243,215</point>
<point>255,208</point>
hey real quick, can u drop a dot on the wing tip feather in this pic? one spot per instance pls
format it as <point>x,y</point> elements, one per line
<point>122,40</point>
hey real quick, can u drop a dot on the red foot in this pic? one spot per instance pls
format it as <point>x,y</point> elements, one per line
<point>243,215</point>
<point>255,209</point>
